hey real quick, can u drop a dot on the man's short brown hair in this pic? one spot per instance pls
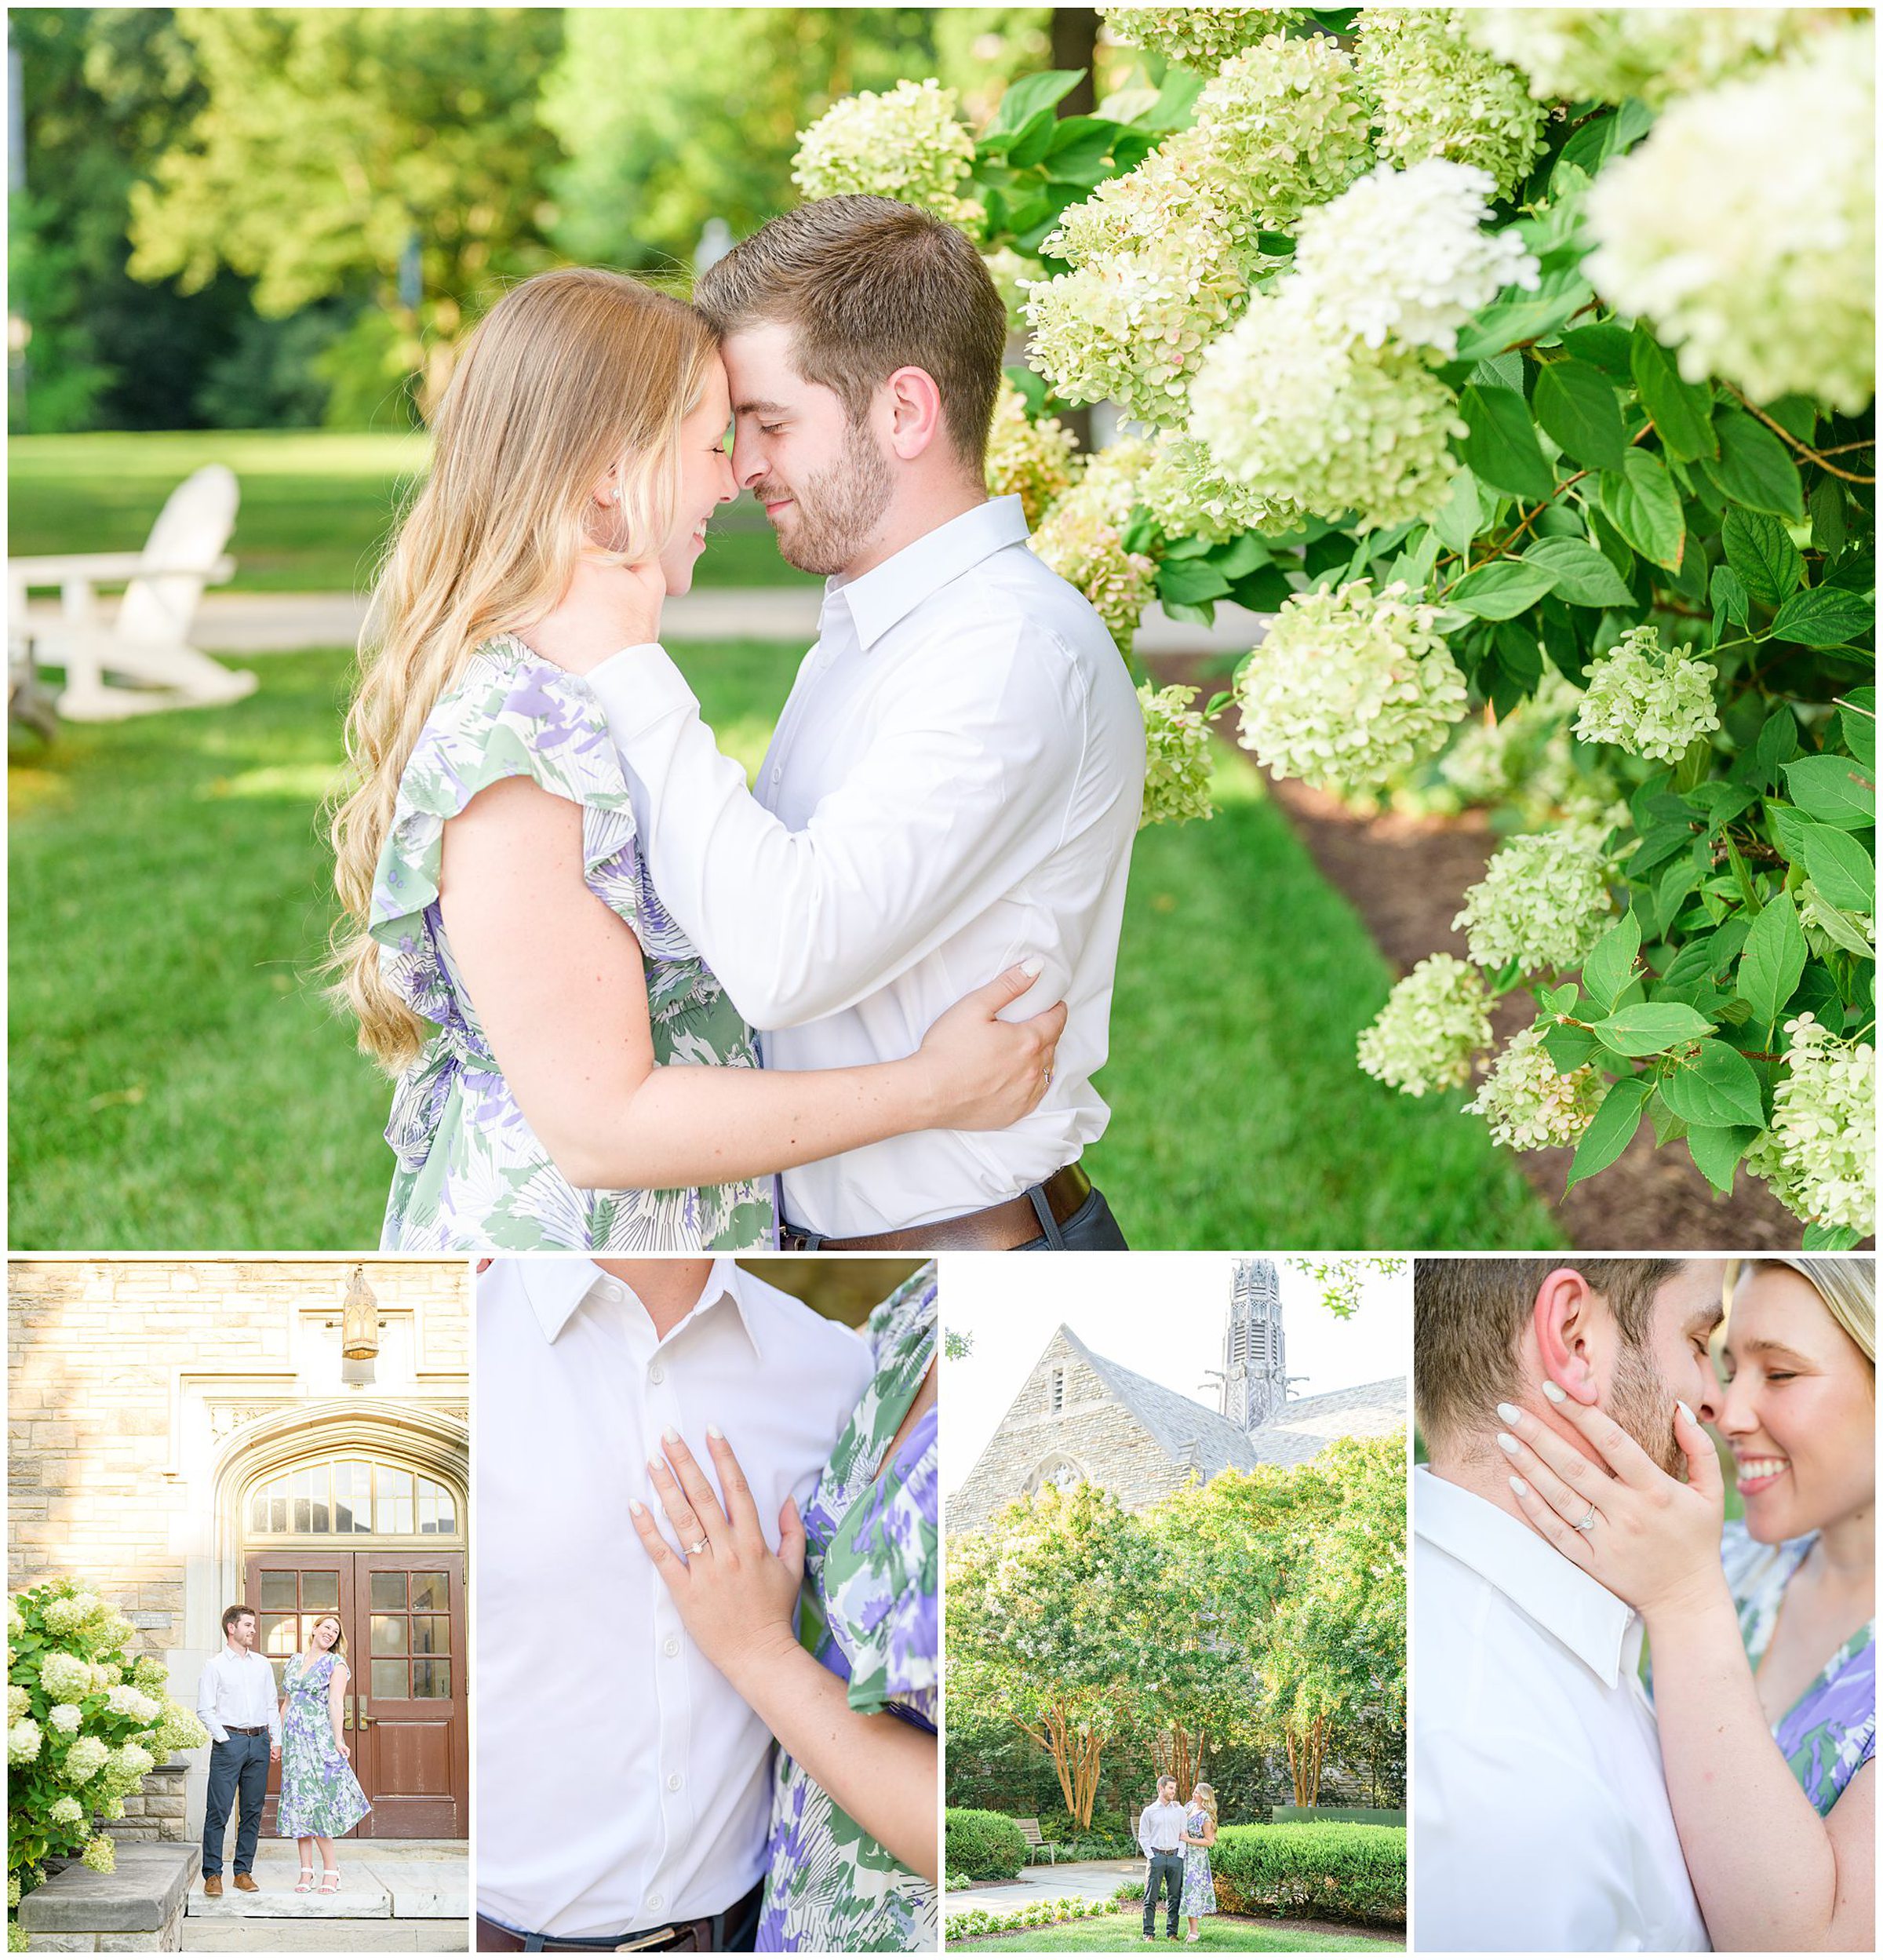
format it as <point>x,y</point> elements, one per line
<point>1469,1317</point>
<point>232,1614</point>
<point>869,286</point>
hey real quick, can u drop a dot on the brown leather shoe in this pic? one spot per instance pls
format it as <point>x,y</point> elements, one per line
<point>212,1886</point>
<point>245,1883</point>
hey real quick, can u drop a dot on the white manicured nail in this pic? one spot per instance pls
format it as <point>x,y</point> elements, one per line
<point>1518,1485</point>
<point>1508,1412</point>
<point>1687,1412</point>
<point>1554,1393</point>
<point>670,1436</point>
<point>635,1506</point>
<point>1032,963</point>
<point>717,1433</point>
<point>1507,1444</point>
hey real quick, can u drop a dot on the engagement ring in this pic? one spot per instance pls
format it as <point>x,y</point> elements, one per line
<point>1587,1524</point>
<point>693,1551</point>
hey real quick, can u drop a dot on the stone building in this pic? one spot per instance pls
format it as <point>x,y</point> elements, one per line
<point>1081,1417</point>
<point>183,1436</point>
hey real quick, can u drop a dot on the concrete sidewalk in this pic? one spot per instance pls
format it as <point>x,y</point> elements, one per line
<point>1096,1880</point>
<point>396,1896</point>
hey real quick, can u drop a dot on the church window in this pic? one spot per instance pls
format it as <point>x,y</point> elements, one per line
<point>346,1494</point>
<point>1055,1391</point>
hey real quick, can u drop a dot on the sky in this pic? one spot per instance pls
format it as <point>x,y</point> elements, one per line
<point>1161,1314</point>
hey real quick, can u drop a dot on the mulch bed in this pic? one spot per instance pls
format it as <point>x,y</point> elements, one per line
<point>1406,877</point>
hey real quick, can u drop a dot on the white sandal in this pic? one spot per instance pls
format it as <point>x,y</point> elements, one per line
<point>328,1891</point>
<point>307,1879</point>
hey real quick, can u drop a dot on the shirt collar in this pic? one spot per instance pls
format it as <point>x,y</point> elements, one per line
<point>1603,1632</point>
<point>555,1288</point>
<point>888,593</point>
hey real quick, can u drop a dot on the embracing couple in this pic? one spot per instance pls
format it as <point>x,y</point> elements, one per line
<point>571,929</point>
<point>1574,1504</point>
<point>1176,1839</point>
<point>708,1660</point>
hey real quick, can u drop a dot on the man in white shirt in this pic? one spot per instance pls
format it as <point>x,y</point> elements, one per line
<point>1161,1838</point>
<point>955,781</point>
<point>236,1702</point>
<point>624,1790</point>
<point>1540,1819</point>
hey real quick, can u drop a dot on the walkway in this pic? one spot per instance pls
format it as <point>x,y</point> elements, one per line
<point>397,1896</point>
<point>1099,1879</point>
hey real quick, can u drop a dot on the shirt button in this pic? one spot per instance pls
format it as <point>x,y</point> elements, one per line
<point>610,1289</point>
<point>656,1375</point>
<point>656,1900</point>
<point>776,774</point>
<point>674,1780</point>
<point>670,1646</point>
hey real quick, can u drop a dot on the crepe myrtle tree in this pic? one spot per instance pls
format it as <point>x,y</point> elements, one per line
<point>1506,356</point>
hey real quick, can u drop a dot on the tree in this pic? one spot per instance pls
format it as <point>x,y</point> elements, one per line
<point>345,151</point>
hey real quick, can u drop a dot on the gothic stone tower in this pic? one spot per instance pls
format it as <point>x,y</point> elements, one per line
<point>1254,1369</point>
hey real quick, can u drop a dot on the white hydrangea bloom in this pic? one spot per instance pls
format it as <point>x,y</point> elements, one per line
<point>100,1855</point>
<point>1435,1024</point>
<point>178,1728</point>
<point>1647,699</point>
<point>1402,255</point>
<point>65,1676</point>
<point>1526,1106</point>
<point>1605,54</point>
<point>1034,461</point>
<point>23,1742</point>
<point>1301,415</point>
<point>84,1760</point>
<point>134,1703</point>
<point>131,1762</point>
<point>1200,37</point>
<point>65,1716</point>
<point>1744,228</point>
<point>1177,757</point>
<point>1348,688</point>
<point>1543,902</point>
<point>1175,189</point>
<point>1111,483</point>
<point>150,1675</point>
<point>67,1813</point>
<point>905,143</point>
<point>1186,491</point>
<point>1819,1157</point>
<point>1436,92</point>
<point>18,1702</point>
<point>68,1615</point>
<point>1522,758</point>
<point>1284,126</point>
<point>1081,539</point>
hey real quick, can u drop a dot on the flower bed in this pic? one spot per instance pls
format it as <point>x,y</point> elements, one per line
<point>1042,1912</point>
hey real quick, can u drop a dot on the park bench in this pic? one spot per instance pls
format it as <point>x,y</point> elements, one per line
<point>140,660</point>
<point>1030,1830</point>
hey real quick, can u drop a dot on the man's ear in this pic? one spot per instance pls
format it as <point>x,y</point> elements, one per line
<point>915,411</point>
<point>1563,1319</point>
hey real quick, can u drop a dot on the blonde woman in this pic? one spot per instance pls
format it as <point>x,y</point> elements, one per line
<point>571,1076</point>
<point>320,1798</point>
<point>1198,1835</point>
<point>1763,1646</point>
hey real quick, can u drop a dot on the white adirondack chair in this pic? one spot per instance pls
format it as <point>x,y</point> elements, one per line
<point>140,660</point>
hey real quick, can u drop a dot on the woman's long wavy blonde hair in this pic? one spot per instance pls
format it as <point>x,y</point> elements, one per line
<point>1205,1798</point>
<point>571,373</point>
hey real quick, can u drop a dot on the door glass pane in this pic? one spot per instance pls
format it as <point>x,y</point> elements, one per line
<point>388,1592</point>
<point>278,1515</point>
<point>320,1591</point>
<point>277,1592</point>
<point>352,1497</point>
<point>279,1631</point>
<point>430,1633</point>
<point>304,1515</point>
<point>389,1681</point>
<point>430,1593</point>
<point>391,1499</point>
<point>431,1681</point>
<point>388,1633</point>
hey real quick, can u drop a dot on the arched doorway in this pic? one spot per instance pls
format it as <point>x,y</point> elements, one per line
<point>366,1521</point>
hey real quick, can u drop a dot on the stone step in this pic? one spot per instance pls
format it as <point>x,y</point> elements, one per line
<point>362,1896</point>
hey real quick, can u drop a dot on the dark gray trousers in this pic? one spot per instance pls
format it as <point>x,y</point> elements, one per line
<point>240,1764</point>
<point>1167,1870</point>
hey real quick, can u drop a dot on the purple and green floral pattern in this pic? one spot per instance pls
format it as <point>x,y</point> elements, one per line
<point>320,1795</point>
<point>1829,1732</point>
<point>471,1174</point>
<point>869,1614</point>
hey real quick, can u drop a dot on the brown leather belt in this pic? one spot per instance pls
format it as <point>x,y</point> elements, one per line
<point>684,1936</point>
<point>999,1228</point>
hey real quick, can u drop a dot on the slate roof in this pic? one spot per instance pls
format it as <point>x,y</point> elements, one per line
<point>1308,1423</point>
<point>1188,1433</point>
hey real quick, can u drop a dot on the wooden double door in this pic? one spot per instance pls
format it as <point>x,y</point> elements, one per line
<point>402,1613</point>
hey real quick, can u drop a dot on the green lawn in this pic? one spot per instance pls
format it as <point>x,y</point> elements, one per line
<point>316,507</point>
<point>177,1081</point>
<point>1221,1933</point>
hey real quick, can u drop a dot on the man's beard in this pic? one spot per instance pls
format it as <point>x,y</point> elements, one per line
<point>838,508</point>
<point>1640,1401</point>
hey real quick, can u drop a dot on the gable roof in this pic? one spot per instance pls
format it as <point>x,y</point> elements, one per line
<point>1188,1433</point>
<point>1304,1427</point>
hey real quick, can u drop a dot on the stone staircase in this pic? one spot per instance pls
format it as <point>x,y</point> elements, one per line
<point>381,1878</point>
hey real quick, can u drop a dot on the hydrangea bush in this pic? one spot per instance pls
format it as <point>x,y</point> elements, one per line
<point>1508,356</point>
<point>85,1724</point>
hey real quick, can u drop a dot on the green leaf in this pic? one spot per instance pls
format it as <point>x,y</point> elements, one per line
<point>1190,581</point>
<point>1731,600</point>
<point>1642,504</point>
<point>1681,411</point>
<point>1612,1129</point>
<point>1501,447</point>
<point>1778,742</point>
<point>1569,1047</point>
<point>1502,589</point>
<point>1755,468</point>
<point>1857,724</point>
<point>1651,1028</point>
<point>1825,616</point>
<point>1828,531</point>
<point>1830,1238</point>
<point>1834,789</point>
<point>1459,519</point>
<point>1773,958</point>
<point>1716,1088</point>
<point>1577,406</point>
<point>1841,868</point>
<point>1604,345</point>
<point>1610,966</point>
<point>1760,549</point>
<point>1716,1152</point>
<point>1581,574</point>
<point>1025,99</point>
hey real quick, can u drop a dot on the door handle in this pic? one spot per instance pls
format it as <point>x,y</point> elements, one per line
<point>365,1720</point>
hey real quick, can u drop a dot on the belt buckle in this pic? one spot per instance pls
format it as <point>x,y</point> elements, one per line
<point>649,1940</point>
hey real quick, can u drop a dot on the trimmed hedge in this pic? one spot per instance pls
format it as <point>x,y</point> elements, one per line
<point>1314,1872</point>
<point>984,1843</point>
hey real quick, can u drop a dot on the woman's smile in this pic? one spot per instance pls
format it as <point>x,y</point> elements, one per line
<point>1758,1473</point>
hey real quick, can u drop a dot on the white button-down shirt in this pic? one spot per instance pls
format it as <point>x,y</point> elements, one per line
<point>237,1691</point>
<point>1540,1820</point>
<point>1160,1828</point>
<point>954,784</point>
<point>621,1784</point>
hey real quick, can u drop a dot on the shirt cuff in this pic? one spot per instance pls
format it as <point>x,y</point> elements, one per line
<point>639,686</point>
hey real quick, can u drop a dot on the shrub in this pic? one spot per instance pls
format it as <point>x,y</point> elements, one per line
<point>1043,1912</point>
<point>1321,1871</point>
<point>984,1843</point>
<point>84,1727</point>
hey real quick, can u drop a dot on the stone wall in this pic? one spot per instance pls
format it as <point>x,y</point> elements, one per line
<point>156,1809</point>
<point>137,1908</point>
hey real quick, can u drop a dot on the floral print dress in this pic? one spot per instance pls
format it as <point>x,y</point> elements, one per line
<point>1199,1887</point>
<point>471,1174</point>
<point>1829,1732</point>
<point>869,1614</point>
<point>320,1795</point>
